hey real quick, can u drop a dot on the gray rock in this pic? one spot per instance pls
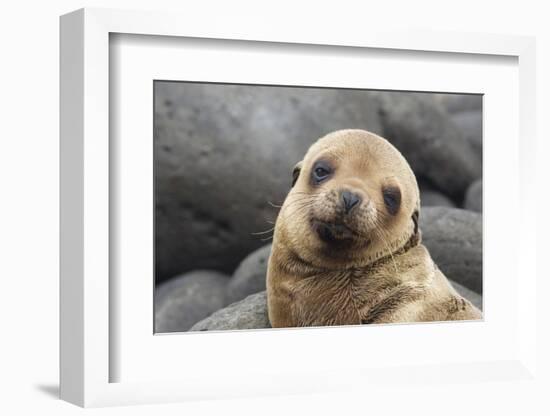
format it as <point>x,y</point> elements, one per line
<point>470,124</point>
<point>186,299</point>
<point>454,238</point>
<point>474,197</point>
<point>249,313</point>
<point>468,294</point>
<point>457,103</point>
<point>431,198</point>
<point>223,152</point>
<point>431,142</point>
<point>250,276</point>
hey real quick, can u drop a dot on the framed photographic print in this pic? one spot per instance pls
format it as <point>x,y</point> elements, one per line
<point>249,212</point>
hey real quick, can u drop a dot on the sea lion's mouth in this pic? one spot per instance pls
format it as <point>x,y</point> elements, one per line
<point>331,232</point>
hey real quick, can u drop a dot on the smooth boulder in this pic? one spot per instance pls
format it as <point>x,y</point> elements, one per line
<point>432,143</point>
<point>431,198</point>
<point>474,197</point>
<point>249,313</point>
<point>454,238</point>
<point>250,276</point>
<point>186,299</point>
<point>470,124</point>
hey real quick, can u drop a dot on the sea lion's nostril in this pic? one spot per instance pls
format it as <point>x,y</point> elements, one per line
<point>350,200</point>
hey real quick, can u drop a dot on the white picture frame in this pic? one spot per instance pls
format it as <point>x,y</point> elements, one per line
<point>90,316</point>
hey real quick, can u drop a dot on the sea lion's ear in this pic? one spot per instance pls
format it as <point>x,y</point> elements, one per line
<point>296,172</point>
<point>416,232</point>
<point>415,220</point>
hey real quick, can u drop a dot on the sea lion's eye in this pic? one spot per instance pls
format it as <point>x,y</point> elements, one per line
<point>392,199</point>
<point>321,171</point>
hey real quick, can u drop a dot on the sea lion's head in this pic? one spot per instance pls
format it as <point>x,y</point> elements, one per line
<point>354,199</point>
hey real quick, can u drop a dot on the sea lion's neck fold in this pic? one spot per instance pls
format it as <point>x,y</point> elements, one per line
<point>298,264</point>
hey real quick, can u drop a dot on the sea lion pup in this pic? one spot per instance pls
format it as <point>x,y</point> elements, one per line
<point>346,246</point>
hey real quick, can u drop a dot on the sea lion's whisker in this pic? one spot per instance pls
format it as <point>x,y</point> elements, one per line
<point>263,232</point>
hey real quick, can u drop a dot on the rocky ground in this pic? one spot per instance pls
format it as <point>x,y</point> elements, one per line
<point>223,157</point>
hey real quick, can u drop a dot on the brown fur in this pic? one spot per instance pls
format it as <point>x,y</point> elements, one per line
<point>375,270</point>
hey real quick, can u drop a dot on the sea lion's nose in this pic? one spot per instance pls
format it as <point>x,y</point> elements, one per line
<point>350,200</point>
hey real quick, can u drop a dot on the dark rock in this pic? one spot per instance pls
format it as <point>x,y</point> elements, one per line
<point>470,124</point>
<point>431,198</point>
<point>249,313</point>
<point>468,294</point>
<point>250,276</point>
<point>457,103</point>
<point>186,299</point>
<point>431,142</point>
<point>223,152</point>
<point>454,238</point>
<point>474,197</point>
